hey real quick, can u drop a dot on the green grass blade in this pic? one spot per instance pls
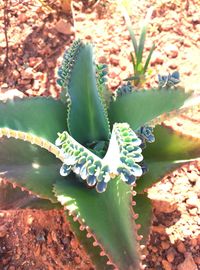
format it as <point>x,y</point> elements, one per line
<point>154,102</point>
<point>149,58</point>
<point>40,116</point>
<point>141,45</point>
<point>108,216</point>
<point>130,29</point>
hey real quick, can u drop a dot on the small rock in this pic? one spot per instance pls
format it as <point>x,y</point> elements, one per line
<point>157,59</point>
<point>102,60</point>
<point>77,260</point>
<point>193,201</point>
<point>24,81</point>
<point>22,17</point>
<point>193,242</point>
<point>115,73</point>
<point>114,48</point>
<point>11,268</point>
<point>64,27</point>
<point>15,74</point>
<point>3,231</point>
<point>88,36</point>
<point>51,64</point>
<point>35,61</point>
<point>181,247</point>
<point>193,211</point>
<point>165,245</point>
<point>158,229</point>
<point>173,66</point>
<point>197,260</point>
<point>188,263</point>
<point>171,255</point>
<point>171,50</point>
<point>167,25</point>
<point>124,63</point>
<point>114,60</point>
<point>74,244</point>
<point>30,219</point>
<point>4,87</point>
<point>166,265</point>
<point>10,94</point>
<point>164,206</point>
<point>27,73</point>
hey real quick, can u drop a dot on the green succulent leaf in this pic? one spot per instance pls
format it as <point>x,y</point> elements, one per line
<point>144,210</point>
<point>168,152</point>
<point>87,120</point>
<point>29,166</point>
<point>99,261</point>
<point>12,197</point>
<point>15,198</point>
<point>104,214</point>
<point>40,116</point>
<point>154,102</point>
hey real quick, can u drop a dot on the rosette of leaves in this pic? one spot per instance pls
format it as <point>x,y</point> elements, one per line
<point>87,152</point>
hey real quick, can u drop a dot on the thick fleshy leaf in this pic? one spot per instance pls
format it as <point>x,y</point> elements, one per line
<point>15,198</point>
<point>170,150</point>
<point>108,216</point>
<point>87,120</point>
<point>41,116</point>
<point>171,145</point>
<point>29,166</point>
<point>155,102</point>
<point>86,242</point>
<point>144,210</point>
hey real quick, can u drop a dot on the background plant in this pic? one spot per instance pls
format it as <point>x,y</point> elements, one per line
<point>140,66</point>
<point>99,154</point>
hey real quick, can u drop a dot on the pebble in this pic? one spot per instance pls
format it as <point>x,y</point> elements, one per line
<point>173,66</point>
<point>10,94</point>
<point>24,81</point>
<point>74,243</point>
<point>15,74</point>
<point>33,61</point>
<point>27,73</point>
<point>197,260</point>
<point>181,247</point>
<point>3,231</point>
<point>171,50</point>
<point>22,17</point>
<point>157,59</point>
<point>188,263</point>
<point>164,206</point>
<point>11,268</point>
<point>64,27</point>
<point>167,25</point>
<point>158,229</point>
<point>166,265</point>
<point>114,60</point>
<point>165,245</point>
<point>171,255</point>
<point>193,201</point>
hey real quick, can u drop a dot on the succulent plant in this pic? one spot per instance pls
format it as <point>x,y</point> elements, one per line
<point>92,151</point>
